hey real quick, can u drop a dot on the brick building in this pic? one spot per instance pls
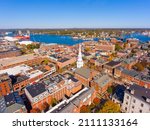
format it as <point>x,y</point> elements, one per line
<point>29,59</point>
<point>85,75</point>
<point>105,46</point>
<point>73,84</point>
<point>129,63</point>
<point>12,103</point>
<point>22,75</point>
<point>5,84</point>
<point>110,67</point>
<point>49,88</point>
<point>19,82</point>
<point>74,105</point>
<point>64,62</point>
<point>9,50</point>
<point>10,53</point>
<point>101,83</point>
<point>132,76</point>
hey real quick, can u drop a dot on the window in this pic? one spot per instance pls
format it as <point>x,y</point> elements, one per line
<point>142,104</point>
<point>89,96</point>
<point>126,108</point>
<point>35,100</point>
<point>84,99</point>
<point>134,101</point>
<point>132,107</point>
<point>126,103</point>
<point>127,97</point>
<point>17,88</point>
<point>140,111</point>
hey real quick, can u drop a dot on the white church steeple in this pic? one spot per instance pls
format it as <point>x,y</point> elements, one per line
<point>79,60</point>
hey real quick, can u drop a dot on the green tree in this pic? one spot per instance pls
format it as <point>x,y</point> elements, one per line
<point>45,62</point>
<point>54,102</point>
<point>118,47</point>
<point>110,107</point>
<point>110,90</point>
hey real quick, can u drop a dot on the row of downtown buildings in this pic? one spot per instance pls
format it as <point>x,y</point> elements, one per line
<point>62,86</point>
<point>44,91</point>
<point>82,76</point>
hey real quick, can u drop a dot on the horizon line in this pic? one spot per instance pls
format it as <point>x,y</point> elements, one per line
<point>77,28</point>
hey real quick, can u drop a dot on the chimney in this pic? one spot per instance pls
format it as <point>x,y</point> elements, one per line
<point>132,91</point>
<point>148,100</point>
<point>145,86</point>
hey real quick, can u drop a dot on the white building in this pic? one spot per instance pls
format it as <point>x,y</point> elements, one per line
<point>79,60</point>
<point>25,42</point>
<point>16,70</point>
<point>136,100</point>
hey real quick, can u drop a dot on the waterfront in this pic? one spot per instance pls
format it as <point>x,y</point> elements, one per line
<point>55,39</point>
<point>68,40</point>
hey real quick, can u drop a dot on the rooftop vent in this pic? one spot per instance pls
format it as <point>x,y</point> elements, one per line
<point>148,100</point>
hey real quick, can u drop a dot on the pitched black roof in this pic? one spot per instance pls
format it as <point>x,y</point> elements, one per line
<point>18,79</point>
<point>113,63</point>
<point>63,60</point>
<point>140,92</point>
<point>119,92</point>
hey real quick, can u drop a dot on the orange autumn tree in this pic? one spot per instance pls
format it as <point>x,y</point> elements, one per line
<point>84,109</point>
<point>35,110</point>
<point>96,101</point>
<point>110,107</point>
<point>45,106</point>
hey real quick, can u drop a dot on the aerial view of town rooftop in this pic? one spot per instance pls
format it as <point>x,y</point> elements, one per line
<point>74,70</point>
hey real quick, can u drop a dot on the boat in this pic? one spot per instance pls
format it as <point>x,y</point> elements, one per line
<point>21,36</point>
<point>146,33</point>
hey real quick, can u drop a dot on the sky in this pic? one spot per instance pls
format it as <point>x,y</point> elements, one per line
<point>74,14</point>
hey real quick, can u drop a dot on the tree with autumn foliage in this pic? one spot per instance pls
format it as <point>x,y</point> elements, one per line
<point>35,110</point>
<point>45,106</point>
<point>96,101</point>
<point>54,102</point>
<point>110,107</point>
<point>84,109</point>
<point>45,62</point>
<point>139,66</point>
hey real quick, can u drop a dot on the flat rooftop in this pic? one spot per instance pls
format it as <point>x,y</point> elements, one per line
<point>34,73</point>
<point>36,89</point>
<point>16,70</point>
<point>84,72</point>
<point>18,59</point>
<point>70,77</point>
<point>50,80</point>
<point>4,77</point>
<point>102,80</point>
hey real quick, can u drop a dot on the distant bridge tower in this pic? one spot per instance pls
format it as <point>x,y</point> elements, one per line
<point>28,32</point>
